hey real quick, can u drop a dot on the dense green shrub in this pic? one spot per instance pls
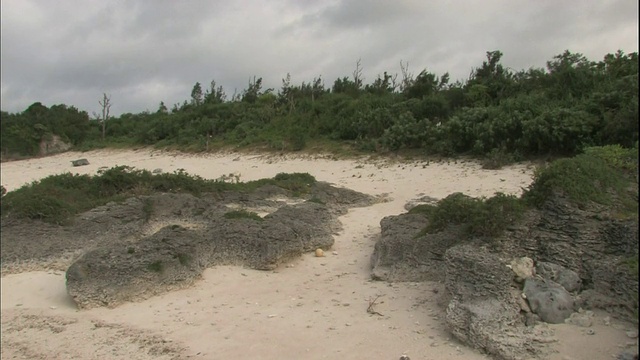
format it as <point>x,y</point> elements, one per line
<point>481,217</point>
<point>572,104</point>
<point>583,178</point>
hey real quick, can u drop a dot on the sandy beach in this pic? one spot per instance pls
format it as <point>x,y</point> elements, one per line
<point>312,308</point>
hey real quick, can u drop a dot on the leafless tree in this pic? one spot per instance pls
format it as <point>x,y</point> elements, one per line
<point>407,77</point>
<point>106,106</point>
<point>357,75</point>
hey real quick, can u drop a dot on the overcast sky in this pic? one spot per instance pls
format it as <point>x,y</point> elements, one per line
<point>146,51</point>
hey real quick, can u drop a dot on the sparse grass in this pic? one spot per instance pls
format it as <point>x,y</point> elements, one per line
<point>497,159</point>
<point>316,200</point>
<point>242,214</point>
<point>156,266</point>
<point>631,265</point>
<point>147,209</point>
<point>184,259</point>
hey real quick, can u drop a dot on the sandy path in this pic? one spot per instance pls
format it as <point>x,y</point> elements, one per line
<point>315,308</point>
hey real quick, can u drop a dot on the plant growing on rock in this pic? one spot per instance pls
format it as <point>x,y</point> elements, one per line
<point>243,214</point>
<point>483,217</point>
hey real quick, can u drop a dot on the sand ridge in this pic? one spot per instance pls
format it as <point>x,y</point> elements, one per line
<point>311,308</point>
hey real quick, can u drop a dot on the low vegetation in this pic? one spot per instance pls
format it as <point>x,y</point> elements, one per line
<point>243,214</point>
<point>602,175</point>
<point>57,198</point>
<point>481,217</point>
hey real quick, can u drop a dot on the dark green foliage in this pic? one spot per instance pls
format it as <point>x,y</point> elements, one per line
<point>156,266</point>
<point>596,176</point>
<point>53,199</point>
<point>243,214</point>
<point>494,215</point>
<point>455,209</point>
<point>571,104</point>
<point>147,209</point>
<point>480,217</point>
<point>296,182</point>
<point>22,133</point>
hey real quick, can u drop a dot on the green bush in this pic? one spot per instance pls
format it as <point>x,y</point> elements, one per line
<point>296,182</point>
<point>583,178</point>
<point>616,156</point>
<point>57,198</point>
<point>455,209</point>
<point>495,214</point>
<point>479,216</point>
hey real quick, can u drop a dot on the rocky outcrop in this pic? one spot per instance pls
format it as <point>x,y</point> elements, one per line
<point>175,256</point>
<point>52,144</point>
<point>403,253</point>
<point>483,311</point>
<point>197,235</point>
<point>555,260</point>
<point>147,245</point>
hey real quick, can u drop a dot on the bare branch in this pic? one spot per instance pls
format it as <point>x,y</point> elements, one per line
<point>407,77</point>
<point>357,75</point>
<point>372,303</point>
<point>105,103</point>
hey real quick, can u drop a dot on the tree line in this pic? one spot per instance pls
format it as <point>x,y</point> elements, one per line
<point>570,104</point>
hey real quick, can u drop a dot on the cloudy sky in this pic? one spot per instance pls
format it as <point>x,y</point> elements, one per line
<point>142,52</point>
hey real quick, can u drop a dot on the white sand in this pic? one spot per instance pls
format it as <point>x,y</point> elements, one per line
<point>315,309</point>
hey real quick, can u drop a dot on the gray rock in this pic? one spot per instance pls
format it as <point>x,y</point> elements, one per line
<point>403,254</point>
<point>627,355</point>
<point>559,274</point>
<point>483,309</point>
<point>80,162</point>
<point>114,272</point>
<point>549,300</point>
<point>157,171</point>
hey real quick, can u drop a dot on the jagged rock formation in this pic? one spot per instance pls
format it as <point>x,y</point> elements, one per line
<point>151,244</point>
<point>580,256</point>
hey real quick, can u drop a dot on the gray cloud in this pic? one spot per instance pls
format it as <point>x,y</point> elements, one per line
<point>143,52</point>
